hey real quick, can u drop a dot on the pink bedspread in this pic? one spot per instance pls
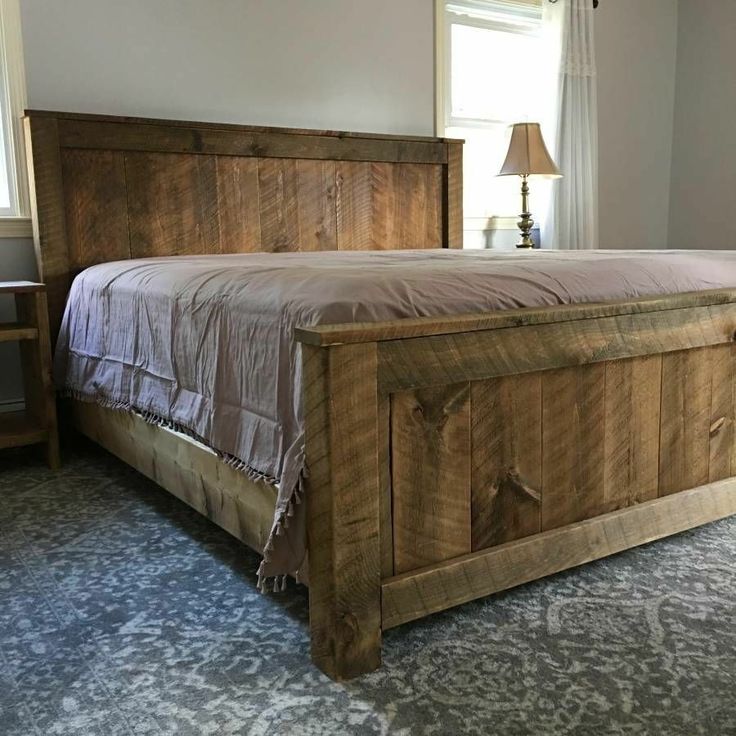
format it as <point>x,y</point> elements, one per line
<point>205,343</point>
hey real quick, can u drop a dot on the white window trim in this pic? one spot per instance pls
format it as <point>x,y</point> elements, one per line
<point>443,113</point>
<point>441,72</point>
<point>441,60</point>
<point>14,83</point>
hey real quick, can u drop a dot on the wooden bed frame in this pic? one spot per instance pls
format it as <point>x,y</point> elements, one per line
<point>449,458</point>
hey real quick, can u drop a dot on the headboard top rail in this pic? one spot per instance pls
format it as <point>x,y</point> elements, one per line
<point>127,119</point>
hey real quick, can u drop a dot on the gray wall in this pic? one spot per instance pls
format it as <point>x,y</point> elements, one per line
<point>636,42</point>
<point>342,64</point>
<point>704,156</point>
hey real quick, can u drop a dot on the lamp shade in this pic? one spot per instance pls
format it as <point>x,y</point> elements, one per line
<point>528,155</point>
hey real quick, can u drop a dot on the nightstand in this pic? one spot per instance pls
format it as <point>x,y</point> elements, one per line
<point>37,423</point>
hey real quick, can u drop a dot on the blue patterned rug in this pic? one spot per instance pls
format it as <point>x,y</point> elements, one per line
<point>124,612</point>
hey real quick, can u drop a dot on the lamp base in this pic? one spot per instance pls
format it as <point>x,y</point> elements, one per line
<point>525,225</point>
<point>525,218</point>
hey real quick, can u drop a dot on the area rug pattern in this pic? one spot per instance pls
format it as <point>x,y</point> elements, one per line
<point>124,612</point>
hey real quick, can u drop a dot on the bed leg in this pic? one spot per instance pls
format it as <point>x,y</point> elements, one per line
<point>341,413</point>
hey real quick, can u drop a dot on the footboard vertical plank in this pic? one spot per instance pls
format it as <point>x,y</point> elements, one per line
<point>721,430</point>
<point>384,486</point>
<point>430,441</point>
<point>341,418</point>
<point>506,458</point>
<point>633,398</point>
<point>573,436</point>
<point>684,448</point>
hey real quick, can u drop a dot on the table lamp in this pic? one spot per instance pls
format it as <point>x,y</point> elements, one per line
<point>528,156</point>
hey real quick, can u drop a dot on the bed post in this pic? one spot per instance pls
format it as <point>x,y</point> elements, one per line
<point>341,419</point>
<point>453,195</point>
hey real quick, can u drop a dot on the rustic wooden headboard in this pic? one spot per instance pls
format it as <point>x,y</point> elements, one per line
<point>111,188</point>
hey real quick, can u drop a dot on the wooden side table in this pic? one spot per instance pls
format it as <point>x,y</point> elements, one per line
<point>37,423</point>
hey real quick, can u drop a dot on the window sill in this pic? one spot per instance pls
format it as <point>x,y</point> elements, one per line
<point>16,227</point>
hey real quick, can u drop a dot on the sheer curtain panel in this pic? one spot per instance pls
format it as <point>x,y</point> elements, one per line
<point>572,216</point>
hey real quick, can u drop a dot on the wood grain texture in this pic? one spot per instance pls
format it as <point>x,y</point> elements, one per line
<point>172,204</point>
<point>632,406</point>
<point>573,445</point>
<point>296,205</point>
<point>500,319</point>
<point>414,222</point>
<point>414,595</point>
<point>453,184</point>
<point>685,421</point>
<point>385,488</point>
<point>430,467</point>
<point>197,138</point>
<point>506,456</point>
<point>696,435</point>
<point>555,447</point>
<point>238,208</point>
<point>277,194</point>
<point>387,206</point>
<point>70,118</point>
<point>445,359</point>
<point>96,204</point>
<point>343,508</point>
<point>722,447</point>
<point>188,470</point>
<point>316,186</point>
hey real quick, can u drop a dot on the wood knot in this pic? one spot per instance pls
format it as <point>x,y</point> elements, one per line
<point>717,425</point>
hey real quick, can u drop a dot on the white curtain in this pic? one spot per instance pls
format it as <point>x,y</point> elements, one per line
<point>571,220</point>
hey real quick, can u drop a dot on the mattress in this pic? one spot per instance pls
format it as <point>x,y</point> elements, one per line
<point>205,344</point>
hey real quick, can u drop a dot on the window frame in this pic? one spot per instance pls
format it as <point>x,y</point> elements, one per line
<point>443,59</point>
<point>473,225</point>
<point>15,222</point>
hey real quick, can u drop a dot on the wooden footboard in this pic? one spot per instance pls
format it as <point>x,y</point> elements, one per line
<point>454,458</point>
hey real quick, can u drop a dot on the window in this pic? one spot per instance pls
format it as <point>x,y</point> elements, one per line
<point>13,186</point>
<point>490,57</point>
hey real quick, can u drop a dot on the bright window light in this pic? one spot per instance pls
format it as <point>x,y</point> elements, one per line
<point>494,74</point>
<point>492,59</point>
<point>13,184</point>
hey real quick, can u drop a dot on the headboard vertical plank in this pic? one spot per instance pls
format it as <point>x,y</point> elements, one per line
<point>279,203</point>
<point>110,188</point>
<point>388,205</point>
<point>172,204</point>
<point>413,221</point>
<point>96,205</point>
<point>238,197</point>
<point>316,210</point>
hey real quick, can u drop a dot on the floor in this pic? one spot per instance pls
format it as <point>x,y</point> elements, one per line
<point>124,612</point>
